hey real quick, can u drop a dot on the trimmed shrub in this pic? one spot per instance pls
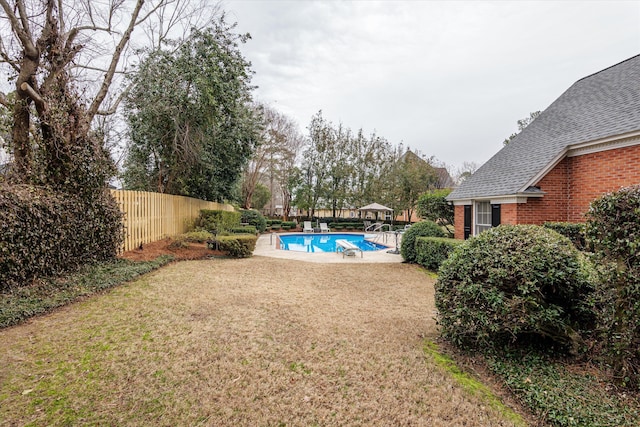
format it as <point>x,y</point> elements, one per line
<point>217,221</point>
<point>275,226</point>
<point>255,218</point>
<point>432,251</point>
<point>515,282</point>
<point>419,229</point>
<point>573,231</point>
<point>247,229</point>
<point>44,233</point>
<point>236,246</point>
<point>613,229</point>
<point>183,240</point>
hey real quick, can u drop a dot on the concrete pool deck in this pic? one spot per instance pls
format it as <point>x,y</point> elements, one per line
<point>266,246</point>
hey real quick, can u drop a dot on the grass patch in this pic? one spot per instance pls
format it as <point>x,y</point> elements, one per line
<point>44,295</point>
<point>564,394</point>
<point>470,384</point>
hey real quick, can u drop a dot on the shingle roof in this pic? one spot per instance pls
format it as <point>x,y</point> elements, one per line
<point>601,105</point>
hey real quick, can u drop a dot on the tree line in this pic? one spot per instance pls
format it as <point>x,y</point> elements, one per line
<point>185,97</point>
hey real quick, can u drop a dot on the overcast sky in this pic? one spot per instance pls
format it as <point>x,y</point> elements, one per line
<point>449,79</point>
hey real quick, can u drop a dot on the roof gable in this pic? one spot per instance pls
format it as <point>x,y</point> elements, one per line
<point>598,106</point>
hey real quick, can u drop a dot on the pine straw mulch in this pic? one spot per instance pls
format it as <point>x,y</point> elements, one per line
<point>150,251</point>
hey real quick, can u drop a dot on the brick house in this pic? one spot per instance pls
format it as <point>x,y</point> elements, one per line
<point>586,143</point>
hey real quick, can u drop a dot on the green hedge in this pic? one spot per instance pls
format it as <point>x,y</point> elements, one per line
<point>419,229</point>
<point>255,218</point>
<point>217,221</point>
<point>613,230</point>
<point>347,225</point>
<point>432,251</point>
<point>513,283</point>
<point>573,231</point>
<point>247,229</point>
<point>44,233</point>
<point>236,246</point>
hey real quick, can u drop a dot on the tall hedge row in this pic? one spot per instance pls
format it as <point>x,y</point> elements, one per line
<point>45,233</point>
<point>613,229</point>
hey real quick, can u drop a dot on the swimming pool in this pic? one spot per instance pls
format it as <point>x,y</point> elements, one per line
<point>324,242</point>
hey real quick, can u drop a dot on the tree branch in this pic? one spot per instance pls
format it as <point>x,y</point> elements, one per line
<point>8,60</point>
<point>20,26</point>
<point>108,78</point>
<point>4,101</point>
<point>115,105</point>
<point>35,96</point>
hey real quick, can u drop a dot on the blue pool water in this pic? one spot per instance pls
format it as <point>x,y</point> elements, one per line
<point>324,242</point>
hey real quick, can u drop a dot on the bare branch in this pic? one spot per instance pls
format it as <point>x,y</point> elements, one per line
<point>100,70</point>
<point>5,58</point>
<point>20,26</point>
<point>116,104</point>
<point>108,78</point>
<point>4,101</point>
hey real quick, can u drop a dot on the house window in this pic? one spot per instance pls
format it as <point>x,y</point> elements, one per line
<point>483,217</point>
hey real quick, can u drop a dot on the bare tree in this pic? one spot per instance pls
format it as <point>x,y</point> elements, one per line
<point>275,157</point>
<point>65,58</point>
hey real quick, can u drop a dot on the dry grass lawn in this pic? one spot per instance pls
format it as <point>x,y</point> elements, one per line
<point>251,342</point>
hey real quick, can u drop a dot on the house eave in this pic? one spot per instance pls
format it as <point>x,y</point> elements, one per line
<point>602,144</point>
<point>520,197</point>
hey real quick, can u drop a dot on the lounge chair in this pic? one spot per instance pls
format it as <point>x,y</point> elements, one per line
<point>347,248</point>
<point>307,227</point>
<point>324,228</point>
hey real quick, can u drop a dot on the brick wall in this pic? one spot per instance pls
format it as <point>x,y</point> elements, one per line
<point>458,219</point>
<point>570,187</point>
<point>597,173</point>
<point>553,206</point>
<point>576,181</point>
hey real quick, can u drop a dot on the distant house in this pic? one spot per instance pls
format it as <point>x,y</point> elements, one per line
<point>586,143</point>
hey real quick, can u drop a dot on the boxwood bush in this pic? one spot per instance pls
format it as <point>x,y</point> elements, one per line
<point>511,283</point>
<point>432,251</point>
<point>217,221</point>
<point>419,229</point>
<point>236,246</point>
<point>255,218</point>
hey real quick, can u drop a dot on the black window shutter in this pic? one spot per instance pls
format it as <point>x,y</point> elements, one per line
<point>495,215</point>
<point>467,221</point>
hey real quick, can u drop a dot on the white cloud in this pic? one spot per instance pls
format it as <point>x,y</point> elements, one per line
<point>448,78</point>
